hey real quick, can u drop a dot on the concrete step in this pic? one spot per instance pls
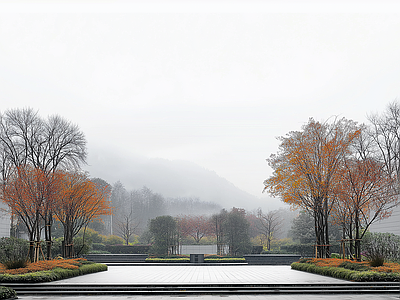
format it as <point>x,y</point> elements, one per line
<point>199,289</point>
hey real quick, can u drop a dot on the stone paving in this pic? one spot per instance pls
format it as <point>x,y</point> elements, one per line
<point>207,274</point>
<point>218,297</point>
<point>201,274</point>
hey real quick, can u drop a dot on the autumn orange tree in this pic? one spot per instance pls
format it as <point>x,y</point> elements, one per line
<point>27,191</point>
<point>365,194</point>
<point>78,202</point>
<point>47,145</point>
<point>306,170</point>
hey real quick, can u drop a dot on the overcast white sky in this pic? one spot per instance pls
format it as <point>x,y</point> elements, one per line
<point>212,82</point>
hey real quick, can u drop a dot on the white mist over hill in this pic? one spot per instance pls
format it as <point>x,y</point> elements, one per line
<point>175,178</point>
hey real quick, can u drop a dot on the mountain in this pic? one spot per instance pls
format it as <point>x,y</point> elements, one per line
<point>174,178</point>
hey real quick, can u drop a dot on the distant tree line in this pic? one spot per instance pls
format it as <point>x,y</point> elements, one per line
<point>134,209</point>
<point>235,232</point>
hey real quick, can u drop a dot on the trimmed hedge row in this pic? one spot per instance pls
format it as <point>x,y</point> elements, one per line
<point>342,273</point>
<point>168,260</point>
<point>52,275</point>
<point>225,260</point>
<point>7,293</point>
<point>187,260</point>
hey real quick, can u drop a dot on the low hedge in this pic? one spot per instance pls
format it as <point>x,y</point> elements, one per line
<point>346,274</point>
<point>167,260</point>
<point>52,275</point>
<point>7,293</point>
<point>187,260</point>
<point>225,260</point>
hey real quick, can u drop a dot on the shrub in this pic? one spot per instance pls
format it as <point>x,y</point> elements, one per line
<point>13,252</point>
<point>7,293</point>
<point>99,246</point>
<point>171,256</point>
<point>80,246</point>
<point>99,252</point>
<point>256,249</point>
<point>335,255</point>
<point>168,260</point>
<point>113,240</point>
<point>379,247</point>
<point>354,266</point>
<point>225,260</point>
<point>91,235</point>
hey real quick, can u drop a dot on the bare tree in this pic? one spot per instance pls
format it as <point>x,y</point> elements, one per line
<point>268,224</point>
<point>218,221</point>
<point>127,226</point>
<point>46,144</point>
<point>385,133</point>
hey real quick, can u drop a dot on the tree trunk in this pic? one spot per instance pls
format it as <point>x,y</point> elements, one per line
<point>357,243</point>
<point>48,224</point>
<point>327,251</point>
<point>31,247</point>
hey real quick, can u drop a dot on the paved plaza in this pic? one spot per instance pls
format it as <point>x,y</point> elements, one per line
<point>243,274</point>
<point>259,274</point>
<point>218,297</point>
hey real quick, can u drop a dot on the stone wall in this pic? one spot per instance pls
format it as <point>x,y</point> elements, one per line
<point>390,224</point>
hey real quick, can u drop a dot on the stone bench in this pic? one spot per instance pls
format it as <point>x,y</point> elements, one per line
<point>271,259</point>
<point>117,258</point>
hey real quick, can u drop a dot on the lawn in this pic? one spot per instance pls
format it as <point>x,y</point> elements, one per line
<point>349,270</point>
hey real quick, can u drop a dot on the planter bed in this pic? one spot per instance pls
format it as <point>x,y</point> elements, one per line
<point>349,270</point>
<point>46,271</point>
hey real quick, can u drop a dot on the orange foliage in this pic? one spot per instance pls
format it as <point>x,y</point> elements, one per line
<point>80,199</point>
<point>307,168</point>
<point>335,262</point>
<point>307,163</point>
<point>331,262</point>
<point>44,265</point>
<point>364,192</point>
<point>29,192</point>
<point>388,268</point>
